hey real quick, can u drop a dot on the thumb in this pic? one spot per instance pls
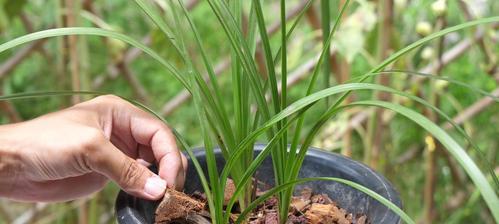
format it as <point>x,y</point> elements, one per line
<point>131,176</point>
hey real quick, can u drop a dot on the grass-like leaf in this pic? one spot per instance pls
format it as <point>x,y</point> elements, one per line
<point>481,183</point>
<point>57,32</point>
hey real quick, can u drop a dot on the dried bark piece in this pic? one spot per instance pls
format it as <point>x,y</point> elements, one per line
<point>297,219</point>
<point>321,199</point>
<point>271,218</point>
<point>257,218</point>
<point>176,205</point>
<point>299,204</point>
<point>361,220</point>
<point>326,213</point>
<point>230,188</point>
<point>271,203</point>
<point>306,193</point>
<point>349,216</point>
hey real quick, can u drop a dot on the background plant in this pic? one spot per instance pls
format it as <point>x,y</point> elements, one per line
<point>390,145</point>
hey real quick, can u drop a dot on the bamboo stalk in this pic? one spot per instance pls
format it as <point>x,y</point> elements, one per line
<point>342,67</point>
<point>73,66</point>
<point>432,156</point>
<point>385,12</point>
<point>72,42</point>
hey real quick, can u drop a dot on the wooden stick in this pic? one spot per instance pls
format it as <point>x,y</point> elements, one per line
<point>138,90</point>
<point>21,54</point>
<point>112,70</point>
<point>473,110</point>
<point>11,111</point>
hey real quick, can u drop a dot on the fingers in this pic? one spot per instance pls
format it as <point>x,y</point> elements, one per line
<point>145,153</point>
<point>131,176</point>
<point>150,132</point>
<point>141,131</point>
<point>146,158</point>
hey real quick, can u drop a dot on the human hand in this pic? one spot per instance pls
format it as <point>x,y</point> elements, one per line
<point>73,152</point>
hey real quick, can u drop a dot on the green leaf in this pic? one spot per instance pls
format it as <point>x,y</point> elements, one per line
<point>313,80</point>
<point>301,106</point>
<point>430,37</point>
<point>95,32</point>
<point>452,146</point>
<point>18,96</point>
<point>155,16</point>
<point>480,153</point>
<point>437,77</point>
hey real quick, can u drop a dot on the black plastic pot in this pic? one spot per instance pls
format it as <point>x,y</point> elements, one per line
<point>131,210</point>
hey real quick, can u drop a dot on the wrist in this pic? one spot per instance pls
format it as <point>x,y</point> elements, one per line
<point>10,160</point>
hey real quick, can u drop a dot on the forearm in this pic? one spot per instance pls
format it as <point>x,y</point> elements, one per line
<point>10,161</point>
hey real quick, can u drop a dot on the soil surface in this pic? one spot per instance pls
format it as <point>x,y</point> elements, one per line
<point>307,207</point>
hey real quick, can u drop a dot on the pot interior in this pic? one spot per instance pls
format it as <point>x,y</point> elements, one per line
<point>317,164</point>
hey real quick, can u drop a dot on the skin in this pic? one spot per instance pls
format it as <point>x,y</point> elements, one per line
<point>72,153</point>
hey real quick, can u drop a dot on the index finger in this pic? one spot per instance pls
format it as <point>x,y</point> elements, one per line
<point>128,121</point>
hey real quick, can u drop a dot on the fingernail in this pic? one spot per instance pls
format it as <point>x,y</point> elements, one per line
<point>155,186</point>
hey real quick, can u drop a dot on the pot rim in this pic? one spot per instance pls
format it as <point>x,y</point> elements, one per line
<point>126,204</point>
